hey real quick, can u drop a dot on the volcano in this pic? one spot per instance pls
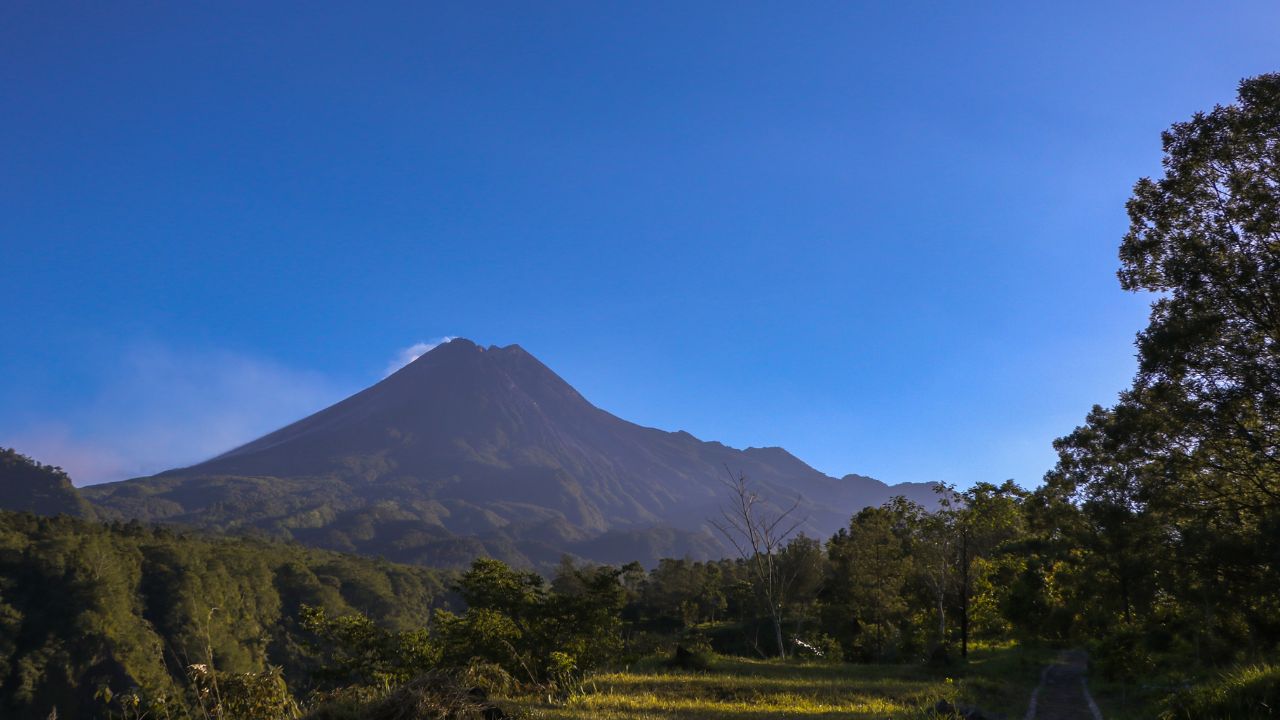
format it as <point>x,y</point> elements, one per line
<point>472,451</point>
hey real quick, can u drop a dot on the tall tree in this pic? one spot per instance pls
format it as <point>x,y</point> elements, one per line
<point>1190,456</point>
<point>936,547</point>
<point>869,566</point>
<point>988,516</point>
<point>1206,237</point>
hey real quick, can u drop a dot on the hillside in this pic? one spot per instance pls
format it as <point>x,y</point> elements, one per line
<point>84,605</point>
<point>30,486</point>
<point>469,451</point>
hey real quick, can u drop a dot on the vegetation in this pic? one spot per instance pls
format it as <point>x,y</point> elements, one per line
<point>1252,691</point>
<point>999,680</point>
<point>166,624</point>
<point>1165,508</point>
<point>95,616</point>
<point>29,486</point>
<point>1154,543</point>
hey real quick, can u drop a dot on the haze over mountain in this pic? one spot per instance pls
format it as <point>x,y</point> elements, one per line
<point>470,451</point>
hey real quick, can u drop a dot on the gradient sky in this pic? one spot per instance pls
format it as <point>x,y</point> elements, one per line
<point>881,235</point>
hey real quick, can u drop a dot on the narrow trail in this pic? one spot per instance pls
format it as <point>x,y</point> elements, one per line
<point>1063,693</point>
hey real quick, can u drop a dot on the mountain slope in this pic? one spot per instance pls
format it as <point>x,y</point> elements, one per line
<point>470,450</point>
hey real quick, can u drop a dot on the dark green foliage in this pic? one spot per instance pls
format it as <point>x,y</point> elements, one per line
<point>1166,507</point>
<point>353,650</point>
<point>682,593</point>
<point>432,696</point>
<point>515,622</point>
<point>693,655</point>
<point>864,600</point>
<point>86,606</point>
<point>244,696</point>
<point>29,486</point>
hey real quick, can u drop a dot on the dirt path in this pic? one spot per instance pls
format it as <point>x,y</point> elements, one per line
<point>1063,693</point>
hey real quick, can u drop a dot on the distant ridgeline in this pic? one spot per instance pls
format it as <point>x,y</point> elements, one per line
<point>472,451</point>
<point>85,605</point>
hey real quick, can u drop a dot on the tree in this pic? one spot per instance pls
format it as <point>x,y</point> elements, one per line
<point>869,567</point>
<point>936,548</point>
<point>759,535</point>
<point>1207,237</point>
<point>1179,482</point>
<point>803,561</point>
<point>513,621</point>
<point>987,517</point>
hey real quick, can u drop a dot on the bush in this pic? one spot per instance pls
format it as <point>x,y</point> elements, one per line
<point>1241,694</point>
<point>696,656</point>
<point>489,677</point>
<point>354,650</point>
<point>433,696</point>
<point>563,677</point>
<point>243,696</point>
<point>822,646</point>
<point>1122,654</point>
<point>642,644</point>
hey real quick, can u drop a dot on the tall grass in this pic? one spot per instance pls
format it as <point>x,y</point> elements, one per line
<point>1241,694</point>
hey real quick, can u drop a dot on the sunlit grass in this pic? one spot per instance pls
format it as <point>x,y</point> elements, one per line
<point>743,689</point>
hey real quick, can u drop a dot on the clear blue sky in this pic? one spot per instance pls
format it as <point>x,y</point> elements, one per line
<point>881,235</point>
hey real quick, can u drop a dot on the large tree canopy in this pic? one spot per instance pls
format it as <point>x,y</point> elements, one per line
<point>1180,481</point>
<point>1207,236</point>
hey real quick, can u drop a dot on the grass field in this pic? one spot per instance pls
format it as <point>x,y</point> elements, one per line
<point>997,679</point>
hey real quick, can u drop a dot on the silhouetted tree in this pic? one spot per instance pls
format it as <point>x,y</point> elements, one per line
<point>759,534</point>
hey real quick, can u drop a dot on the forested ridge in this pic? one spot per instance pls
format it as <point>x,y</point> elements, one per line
<point>27,485</point>
<point>89,610</point>
<point>1153,544</point>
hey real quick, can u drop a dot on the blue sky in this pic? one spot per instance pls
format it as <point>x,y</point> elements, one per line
<point>881,235</point>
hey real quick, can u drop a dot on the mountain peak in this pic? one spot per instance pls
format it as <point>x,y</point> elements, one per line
<point>453,345</point>
<point>486,442</point>
<point>464,346</point>
<point>451,357</point>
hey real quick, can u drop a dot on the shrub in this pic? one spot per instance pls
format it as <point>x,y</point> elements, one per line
<point>1122,654</point>
<point>692,654</point>
<point>490,678</point>
<point>242,696</point>
<point>822,646</point>
<point>562,672</point>
<point>354,650</point>
<point>432,696</point>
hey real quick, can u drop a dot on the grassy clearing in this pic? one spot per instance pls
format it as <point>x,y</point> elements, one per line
<point>996,678</point>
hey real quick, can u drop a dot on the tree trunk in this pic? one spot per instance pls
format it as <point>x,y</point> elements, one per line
<point>777,634</point>
<point>964,595</point>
